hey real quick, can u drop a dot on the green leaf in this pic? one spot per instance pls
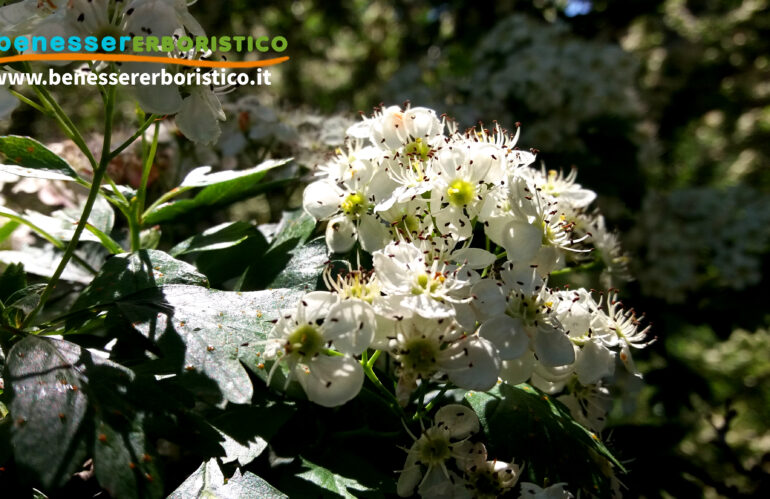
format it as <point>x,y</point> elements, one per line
<point>8,229</point>
<point>336,485</point>
<point>525,424</point>
<point>12,279</point>
<point>244,440</point>
<point>229,263</point>
<point>216,238</point>
<point>206,334</point>
<point>122,457</point>
<point>219,189</point>
<point>44,261</point>
<point>284,267</point>
<point>129,273</point>
<point>20,304</point>
<point>54,389</point>
<point>208,482</point>
<point>27,157</point>
<point>294,225</point>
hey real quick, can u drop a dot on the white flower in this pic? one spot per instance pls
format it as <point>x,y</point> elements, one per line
<point>460,182</point>
<point>620,328</point>
<point>301,339</point>
<point>571,195</point>
<point>524,320</point>
<point>555,491</point>
<point>199,116</point>
<point>489,479</point>
<point>433,348</point>
<point>529,227</point>
<point>437,447</point>
<point>346,197</point>
<point>391,128</point>
<point>428,287</point>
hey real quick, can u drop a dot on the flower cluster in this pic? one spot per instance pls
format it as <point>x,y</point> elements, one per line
<point>464,235</point>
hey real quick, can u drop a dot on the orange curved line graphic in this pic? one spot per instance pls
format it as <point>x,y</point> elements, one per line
<point>143,58</point>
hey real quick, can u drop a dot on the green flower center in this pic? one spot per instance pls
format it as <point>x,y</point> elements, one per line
<point>460,192</point>
<point>354,204</point>
<point>426,284</point>
<point>417,150</point>
<point>420,356</point>
<point>306,341</point>
<point>434,447</point>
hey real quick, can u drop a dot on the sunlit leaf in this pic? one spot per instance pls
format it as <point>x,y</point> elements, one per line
<point>27,157</point>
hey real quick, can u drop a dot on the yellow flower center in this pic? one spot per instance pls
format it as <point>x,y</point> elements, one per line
<point>354,204</point>
<point>460,192</point>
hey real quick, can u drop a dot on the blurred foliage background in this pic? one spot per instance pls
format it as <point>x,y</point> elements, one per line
<point>663,105</point>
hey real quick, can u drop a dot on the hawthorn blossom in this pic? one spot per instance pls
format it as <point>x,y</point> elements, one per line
<point>417,284</point>
<point>428,458</point>
<point>346,197</point>
<point>302,339</point>
<point>426,349</point>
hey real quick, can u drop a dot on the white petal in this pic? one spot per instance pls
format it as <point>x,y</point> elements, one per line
<point>315,305</point>
<point>350,326</point>
<point>372,234</point>
<point>332,381</point>
<point>321,199</point>
<point>488,299</point>
<point>411,475</point>
<point>507,334</point>
<point>340,234</point>
<point>465,316</point>
<point>197,119</point>
<point>521,241</point>
<point>475,258</point>
<point>472,364</point>
<point>553,347</point>
<point>594,363</point>
<point>518,370</point>
<point>461,421</point>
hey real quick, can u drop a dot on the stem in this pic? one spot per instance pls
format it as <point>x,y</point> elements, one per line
<point>166,197</point>
<point>392,400</point>
<point>99,171</point>
<point>596,264</point>
<point>50,238</point>
<point>122,147</point>
<point>27,101</point>
<point>137,208</point>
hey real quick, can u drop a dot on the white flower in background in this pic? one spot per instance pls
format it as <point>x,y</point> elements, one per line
<point>489,479</point>
<point>436,448</point>
<point>555,491</point>
<point>409,220</point>
<point>418,284</point>
<point>346,197</point>
<point>302,338</point>
<point>427,349</point>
